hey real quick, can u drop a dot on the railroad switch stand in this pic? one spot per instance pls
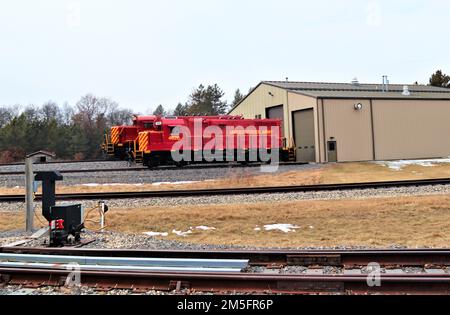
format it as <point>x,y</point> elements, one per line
<point>65,221</point>
<point>48,180</point>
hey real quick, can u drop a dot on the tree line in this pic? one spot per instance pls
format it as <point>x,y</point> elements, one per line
<point>76,132</point>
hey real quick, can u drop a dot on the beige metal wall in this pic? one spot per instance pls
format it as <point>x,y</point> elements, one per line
<point>351,129</point>
<point>411,129</point>
<point>402,129</point>
<point>257,102</point>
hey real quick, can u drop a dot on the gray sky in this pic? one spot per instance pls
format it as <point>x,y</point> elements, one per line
<point>145,53</point>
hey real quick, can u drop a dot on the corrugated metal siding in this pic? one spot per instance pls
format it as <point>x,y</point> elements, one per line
<point>411,129</point>
<point>351,129</point>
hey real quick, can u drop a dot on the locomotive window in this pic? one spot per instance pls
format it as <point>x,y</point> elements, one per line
<point>174,131</point>
<point>148,125</point>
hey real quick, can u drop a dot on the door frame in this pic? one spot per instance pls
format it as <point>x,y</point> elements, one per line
<point>293,129</point>
<point>272,107</point>
<point>335,150</point>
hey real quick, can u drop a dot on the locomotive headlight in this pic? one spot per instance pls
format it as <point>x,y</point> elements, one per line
<point>358,106</point>
<point>158,123</point>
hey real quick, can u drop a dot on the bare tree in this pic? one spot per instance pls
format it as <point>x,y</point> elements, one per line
<point>120,117</point>
<point>50,110</point>
<point>92,111</point>
<point>8,113</point>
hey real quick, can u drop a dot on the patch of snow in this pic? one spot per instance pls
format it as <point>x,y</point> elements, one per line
<point>174,183</point>
<point>257,229</point>
<point>157,234</point>
<point>286,228</point>
<point>311,227</point>
<point>105,185</point>
<point>180,233</point>
<point>398,165</point>
<point>205,228</point>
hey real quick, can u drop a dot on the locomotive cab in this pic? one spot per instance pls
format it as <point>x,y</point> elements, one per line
<point>123,139</point>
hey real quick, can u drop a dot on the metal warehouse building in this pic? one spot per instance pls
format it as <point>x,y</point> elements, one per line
<point>343,122</point>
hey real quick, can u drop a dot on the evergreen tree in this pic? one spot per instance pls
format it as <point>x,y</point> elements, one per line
<point>159,111</point>
<point>181,110</point>
<point>440,79</point>
<point>207,101</point>
<point>238,97</point>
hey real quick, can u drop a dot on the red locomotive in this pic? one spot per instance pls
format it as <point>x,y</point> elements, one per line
<point>123,138</point>
<point>155,140</point>
<point>188,140</point>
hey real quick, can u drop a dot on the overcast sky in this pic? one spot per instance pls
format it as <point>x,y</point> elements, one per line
<point>145,53</point>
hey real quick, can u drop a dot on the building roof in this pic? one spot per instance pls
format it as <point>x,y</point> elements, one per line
<point>349,90</point>
<point>359,91</point>
<point>374,95</point>
<point>320,86</point>
<point>41,153</point>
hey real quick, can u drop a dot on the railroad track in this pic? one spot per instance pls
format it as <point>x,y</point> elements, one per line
<point>394,282</point>
<point>161,168</point>
<point>55,162</point>
<point>235,191</point>
<point>342,258</point>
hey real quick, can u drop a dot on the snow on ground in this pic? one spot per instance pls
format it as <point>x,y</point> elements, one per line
<point>105,185</point>
<point>286,228</point>
<point>154,184</point>
<point>181,233</point>
<point>164,234</point>
<point>204,228</point>
<point>398,165</point>
<point>174,183</point>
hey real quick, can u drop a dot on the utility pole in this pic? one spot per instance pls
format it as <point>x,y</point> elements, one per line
<point>29,183</point>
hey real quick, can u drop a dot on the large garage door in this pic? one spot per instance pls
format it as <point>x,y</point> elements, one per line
<point>276,112</point>
<point>304,137</point>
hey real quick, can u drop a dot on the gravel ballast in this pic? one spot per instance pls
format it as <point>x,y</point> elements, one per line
<point>240,199</point>
<point>144,176</point>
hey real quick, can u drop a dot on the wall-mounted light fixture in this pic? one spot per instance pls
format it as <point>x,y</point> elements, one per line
<point>359,106</point>
<point>270,93</point>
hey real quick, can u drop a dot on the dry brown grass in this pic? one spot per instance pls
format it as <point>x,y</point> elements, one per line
<point>328,174</point>
<point>379,222</point>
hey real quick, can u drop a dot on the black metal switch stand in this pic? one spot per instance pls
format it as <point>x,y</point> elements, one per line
<point>48,180</point>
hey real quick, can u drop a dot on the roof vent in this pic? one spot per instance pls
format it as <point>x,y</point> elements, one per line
<point>385,86</point>
<point>406,91</point>
<point>355,81</point>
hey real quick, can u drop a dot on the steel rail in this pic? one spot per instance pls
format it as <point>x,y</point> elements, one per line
<point>56,162</point>
<point>236,191</point>
<point>128,261</point>
<point>161,168</point>
<point>116,268</point>
<point>225,282</point>
<point>345,258</point>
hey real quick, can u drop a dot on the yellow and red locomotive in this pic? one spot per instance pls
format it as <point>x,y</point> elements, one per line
<point>156,140</point>
<point>122,139</point>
